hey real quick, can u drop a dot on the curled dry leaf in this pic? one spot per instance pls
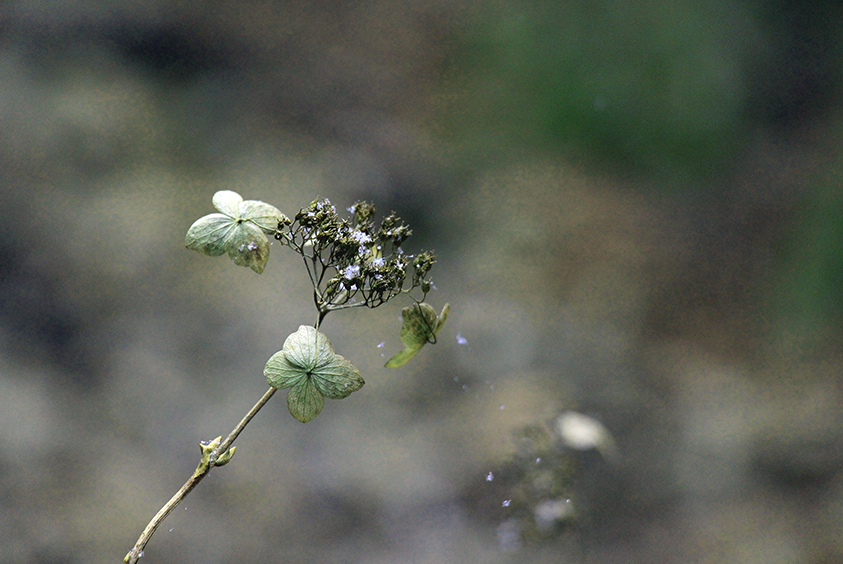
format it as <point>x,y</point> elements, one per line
<point>421,324</point>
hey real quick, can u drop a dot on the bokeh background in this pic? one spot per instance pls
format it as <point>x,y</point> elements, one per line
<point>638,212</point>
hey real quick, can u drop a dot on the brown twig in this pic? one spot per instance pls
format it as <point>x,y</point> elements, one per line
<point>214,453</point>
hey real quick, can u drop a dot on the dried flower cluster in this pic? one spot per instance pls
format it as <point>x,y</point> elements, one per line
<point>350,262</point>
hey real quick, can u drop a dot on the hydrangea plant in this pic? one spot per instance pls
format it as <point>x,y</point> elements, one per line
<point>351,263</point>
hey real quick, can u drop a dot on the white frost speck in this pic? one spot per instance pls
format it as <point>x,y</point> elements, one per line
<point>490,477</point>
<point>501,406</point>
<point>461,340</point>
<point>351,271</point>
<point>360,237</point>
<point>381,344</point>
<point>506,502</point>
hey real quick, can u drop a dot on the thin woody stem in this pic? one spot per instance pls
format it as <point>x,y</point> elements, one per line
<point>209,460</point>
<point>242,425</point>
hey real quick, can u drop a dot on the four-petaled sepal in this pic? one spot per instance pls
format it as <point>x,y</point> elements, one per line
<point>239,229</point>
<point>310,368</point>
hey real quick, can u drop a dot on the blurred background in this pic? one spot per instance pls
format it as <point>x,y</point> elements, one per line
<point>638,212</point>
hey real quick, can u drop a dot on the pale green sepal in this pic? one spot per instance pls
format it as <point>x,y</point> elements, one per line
<point>421,324</point>
<point>308,348</point>
<point>261,214</point>
<point>248,246</point>
<point>239,230</point>
<point>280,373</point>
<point>228,202</point>
<point>338,378</point>
<point>304,401</point>
<point>209,235</point>
<point>309,366</point>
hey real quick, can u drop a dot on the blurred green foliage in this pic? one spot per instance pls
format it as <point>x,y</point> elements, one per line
<point>674,96</point>
<point>808,301</point>
<point>651,88</point>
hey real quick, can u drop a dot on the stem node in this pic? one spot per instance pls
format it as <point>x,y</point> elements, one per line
<point>214,453</point>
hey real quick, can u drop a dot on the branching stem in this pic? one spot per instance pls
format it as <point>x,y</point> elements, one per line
<point>210,458</point>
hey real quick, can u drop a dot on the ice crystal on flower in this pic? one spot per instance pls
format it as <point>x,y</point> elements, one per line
<point>351,272</point>
<point>361,237</point>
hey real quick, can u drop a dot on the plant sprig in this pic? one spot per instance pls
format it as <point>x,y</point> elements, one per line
<point>350,263</point>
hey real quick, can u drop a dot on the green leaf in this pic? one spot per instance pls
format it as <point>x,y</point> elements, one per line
<point>421,324</point>
<point>239,230</point>
<point>312,370</point>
